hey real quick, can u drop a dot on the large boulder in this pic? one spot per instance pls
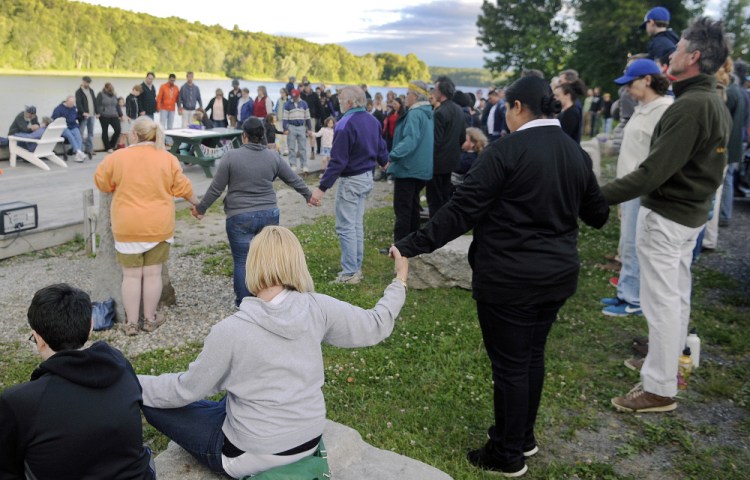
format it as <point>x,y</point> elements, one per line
<point>446,267</point>
<point>349,456</point>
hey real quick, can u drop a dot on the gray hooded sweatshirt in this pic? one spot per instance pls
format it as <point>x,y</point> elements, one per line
<point>267,357</point>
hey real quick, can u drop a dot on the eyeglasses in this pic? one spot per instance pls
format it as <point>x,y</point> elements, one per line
<point>32,338</point>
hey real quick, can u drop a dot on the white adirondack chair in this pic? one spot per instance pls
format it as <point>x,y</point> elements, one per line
<point>45,146</point>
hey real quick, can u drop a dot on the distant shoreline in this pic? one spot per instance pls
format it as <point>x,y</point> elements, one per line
<point>162,75</point>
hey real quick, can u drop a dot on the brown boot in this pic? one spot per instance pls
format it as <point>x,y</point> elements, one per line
<point>151,325</point>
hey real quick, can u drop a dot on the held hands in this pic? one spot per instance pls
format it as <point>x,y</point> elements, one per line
<point>401,264</point>
<point>195,213</point>
<point>317,198</point>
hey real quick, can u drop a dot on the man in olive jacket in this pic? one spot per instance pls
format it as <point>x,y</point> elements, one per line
<point>450,134</point>
<point>676,182</point>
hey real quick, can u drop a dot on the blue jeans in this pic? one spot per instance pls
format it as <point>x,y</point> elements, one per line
<point>297,141</point>
<point>241,229</point>
<point>88,124</point>
<point>727,196</point>
<point>350,211</point>
<point>195,427</point>
<point>629,284</point>
<point>73,136</point>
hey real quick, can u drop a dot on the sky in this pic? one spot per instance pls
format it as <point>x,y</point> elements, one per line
<point>440,32</point>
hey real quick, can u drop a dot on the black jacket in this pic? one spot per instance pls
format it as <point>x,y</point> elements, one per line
<point>78,418</point>
<point>210,107</point>
<point>133,106</point>
<point>82,103</point>
<point>450,134</point>
<point>522,197</point>
<point>147,99</point>
<point>233,99</point>
<point>499,119</point>
<point>313,103</point>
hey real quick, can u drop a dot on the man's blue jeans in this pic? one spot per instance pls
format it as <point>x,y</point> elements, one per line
<point>350,211</point>
<point>629,284</point>
<point>241,229</point>
<point>195,427</point>
<point>727,195</point>
<point>89,125</point>
<point>73,136</point>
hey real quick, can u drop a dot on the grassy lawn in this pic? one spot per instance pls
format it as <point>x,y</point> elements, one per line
<point>426,391</point>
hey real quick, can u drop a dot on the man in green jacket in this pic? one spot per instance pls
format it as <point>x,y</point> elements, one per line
<point>676,183</point>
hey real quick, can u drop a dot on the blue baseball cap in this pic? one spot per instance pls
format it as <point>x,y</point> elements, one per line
<point>659,14</point>
<point>638,69</point>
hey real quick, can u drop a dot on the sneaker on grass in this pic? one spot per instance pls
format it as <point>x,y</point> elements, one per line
<point>485,459</point>
<point>352,279</point>
<point>622,309</point>
<point>634,364</point>
<point>640,401</point>
<point>610,301</point>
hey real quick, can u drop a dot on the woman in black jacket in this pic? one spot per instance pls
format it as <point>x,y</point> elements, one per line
<point>219,108</point>
<point>522,197</point>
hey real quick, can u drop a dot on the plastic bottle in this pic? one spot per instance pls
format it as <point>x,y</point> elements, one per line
<point>684,368</point>
<point>694,343</point>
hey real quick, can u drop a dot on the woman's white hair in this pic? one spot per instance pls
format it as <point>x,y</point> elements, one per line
<point>354,94</point>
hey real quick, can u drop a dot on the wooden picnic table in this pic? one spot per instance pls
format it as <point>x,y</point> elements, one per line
<point>187,143</point>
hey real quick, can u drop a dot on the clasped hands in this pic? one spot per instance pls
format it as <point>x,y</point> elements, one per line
<point>316,198</point>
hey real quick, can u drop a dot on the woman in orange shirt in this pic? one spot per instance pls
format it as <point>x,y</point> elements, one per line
<point>143,179</point>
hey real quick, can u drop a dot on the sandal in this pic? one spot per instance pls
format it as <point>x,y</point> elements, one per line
<point>151,325</point>
<point>130,329</point>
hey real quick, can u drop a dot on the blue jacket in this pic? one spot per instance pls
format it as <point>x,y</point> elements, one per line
<point>413,142</point>
<point>247,110</point>
<point>357,147</point>
<point>70,115</point>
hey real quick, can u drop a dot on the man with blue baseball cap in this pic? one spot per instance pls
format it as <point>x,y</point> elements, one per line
<point>663,39</point>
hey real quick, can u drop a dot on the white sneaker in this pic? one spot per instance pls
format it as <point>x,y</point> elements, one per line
<point>80,156</point>
<point>294,168</point>
<point>305,170</point>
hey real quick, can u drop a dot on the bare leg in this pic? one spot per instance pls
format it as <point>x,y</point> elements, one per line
<point>131,293</point>
<point>152,286</point>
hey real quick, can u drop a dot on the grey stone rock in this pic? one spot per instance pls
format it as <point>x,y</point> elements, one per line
<point>592,147</point>
<point>349,457</point>
<point>108,273</point>
<point>444,268</point>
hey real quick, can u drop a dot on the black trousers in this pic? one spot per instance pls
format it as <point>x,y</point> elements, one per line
<point>110,143</point>
<point>515,337</point>
<point>406,206</point>
<point>438,192</point>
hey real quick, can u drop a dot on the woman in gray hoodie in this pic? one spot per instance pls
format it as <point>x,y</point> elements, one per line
<point>267,357</point>
<point>110,113</point>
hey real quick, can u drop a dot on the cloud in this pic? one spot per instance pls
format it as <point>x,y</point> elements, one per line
<point>442,33</point>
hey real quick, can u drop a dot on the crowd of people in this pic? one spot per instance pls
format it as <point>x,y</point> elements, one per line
<point>509,167</point>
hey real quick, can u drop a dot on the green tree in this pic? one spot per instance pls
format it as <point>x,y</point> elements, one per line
<point>736,17</point>
<point>609,33</point>
<point>523,35</point>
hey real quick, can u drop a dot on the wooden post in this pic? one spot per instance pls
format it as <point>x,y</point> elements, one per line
<point>88,233</point>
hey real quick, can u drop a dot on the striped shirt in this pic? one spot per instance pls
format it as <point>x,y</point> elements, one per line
<point>296,114</point>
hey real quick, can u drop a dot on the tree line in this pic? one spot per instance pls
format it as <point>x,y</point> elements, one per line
<point>591,36</point>
<point>63,35</point>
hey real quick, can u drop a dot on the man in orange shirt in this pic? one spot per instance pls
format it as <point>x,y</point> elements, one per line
<point>166,101</point>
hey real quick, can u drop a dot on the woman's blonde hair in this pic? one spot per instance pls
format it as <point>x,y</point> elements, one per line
<point>478,138</point>
<point>276,258</point>
<point>147,130</point>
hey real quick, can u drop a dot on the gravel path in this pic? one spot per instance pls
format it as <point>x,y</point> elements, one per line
<point>202,300</point>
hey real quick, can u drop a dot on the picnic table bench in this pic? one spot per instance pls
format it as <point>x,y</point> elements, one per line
<point>187,143</point>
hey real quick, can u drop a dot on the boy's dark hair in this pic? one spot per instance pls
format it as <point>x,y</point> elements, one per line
<point>446,86</point>
<point>61,315</point>
<point>661,23</point>
<point>172,75</point>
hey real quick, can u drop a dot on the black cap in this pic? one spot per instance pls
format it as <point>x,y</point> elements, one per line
<point>87,79</point>
<point>30,109</point>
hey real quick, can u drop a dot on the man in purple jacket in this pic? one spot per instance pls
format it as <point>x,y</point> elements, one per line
<point>357,148</point>
<point>72,133</point>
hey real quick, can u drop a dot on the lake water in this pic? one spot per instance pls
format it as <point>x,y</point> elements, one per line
<point>46,92</point>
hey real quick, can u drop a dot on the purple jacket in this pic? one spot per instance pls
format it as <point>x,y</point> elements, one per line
<point>357,147</point>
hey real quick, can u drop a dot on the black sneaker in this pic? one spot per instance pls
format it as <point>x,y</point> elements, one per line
<point>484,459</point>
